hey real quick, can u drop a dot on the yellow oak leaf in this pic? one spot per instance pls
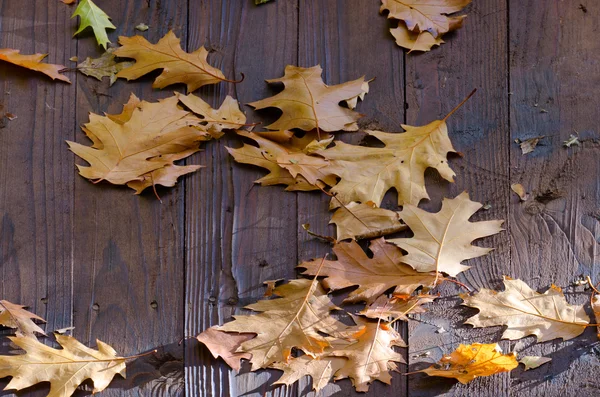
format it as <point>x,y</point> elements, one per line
<point>33,62</point>
<point>472,361</point>
<point>64,368</point>
<point>15,316</point>
<point>526,312</point>
<point>425,15</point>
<point>442,240</point>
<point>177,65</point>
<point>308,103</point>
<point>373,276</point>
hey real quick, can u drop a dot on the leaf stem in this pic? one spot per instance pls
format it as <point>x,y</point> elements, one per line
<point>460,104</point>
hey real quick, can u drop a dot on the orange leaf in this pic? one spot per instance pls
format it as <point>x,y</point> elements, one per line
<point>33,62</point>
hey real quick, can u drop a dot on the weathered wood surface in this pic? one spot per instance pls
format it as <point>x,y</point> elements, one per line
<point>141,275</point>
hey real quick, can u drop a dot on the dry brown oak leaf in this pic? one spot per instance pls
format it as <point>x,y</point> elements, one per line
<point>472,361</point>
<point>178,66</point>
<point>443,240</point>
<point>365,220</point>
<point>64,368</point>
<point>296,320</point>
<point>526,312</point>
<point>364,355</point>
<point>398,307</point>
<point>15,316</point>
<point>373,276</point>
<point>224,345</point>
<point>308,103</point>
<point>367,173</point>
<point>33,62</point>
<point>140,151</point>
<point>285,156</point>
<point>227,117</point>
<point>425,15</point>
<point>421,41</point>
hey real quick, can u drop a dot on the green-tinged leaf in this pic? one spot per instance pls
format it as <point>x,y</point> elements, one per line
<point>92,16</point>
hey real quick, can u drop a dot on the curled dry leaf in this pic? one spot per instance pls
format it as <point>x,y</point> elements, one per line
<point>443,240</point>
<point>104,66</point>
<point>64,368</point>
<point>91,16</point>
<point>526,312</point>
<point>414,41</point>
<point>532,362</point>
<point>529,145</point>
<point>225,345</point>
<point>33,62</point>
<point>425,15</point>
<point>361,221</point>
<point>373,276</point>
<point>284,156</point>
<point>308,103</point>
<point>177,65</point>
<point>398,307</point>
<point>15,316</point>
<point>296,320</point>
<point>471,361</point>
<point>139,148</point>
<point>520,191</point>
<point>352,102</point>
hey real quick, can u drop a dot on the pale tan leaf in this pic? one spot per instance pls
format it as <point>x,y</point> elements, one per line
<point>442,240</point>
<point>227,117</point>
<point>414,41</point>
<point>15,316</point>
<point>373,276</point>
<point>224,345</point>
<point>526,312</point>
<point>398,307</point>
<point>532,362</point>
<point>361,221</point>
<point>321,369</point>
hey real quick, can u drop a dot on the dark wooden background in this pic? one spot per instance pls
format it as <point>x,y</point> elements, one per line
<point>140,275</point>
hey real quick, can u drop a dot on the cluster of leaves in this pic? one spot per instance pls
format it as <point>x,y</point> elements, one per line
<point>64,368</point>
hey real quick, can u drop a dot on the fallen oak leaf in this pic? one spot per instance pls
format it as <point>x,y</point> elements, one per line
<point>414,41</point>
<point>33,62</point>
<point>472,361</point>
<point>224,345</point>
<point>532,362</point>
<point>373,276</point>
<point>443,240</point>
<point>526,312</point>
<point>15,316</point>
<point>152,136</point>
<point>177,65</point>
<point>320,368</point>
<point>308,103</point>
<point>296,320</point>
<point>104,66</point>
<point>398,307</point>
<point>365,220</point>
<point>90,15</point>
<point>352,102</point>
<point>367,173</point>
<point>425,15</point>
<point>228,116</point>
<point>64,368</point>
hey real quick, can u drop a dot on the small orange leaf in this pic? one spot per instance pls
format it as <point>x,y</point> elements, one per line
<point>33,62</point>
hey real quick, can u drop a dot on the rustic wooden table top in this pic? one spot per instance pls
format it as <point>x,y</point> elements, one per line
<point>140,275</point>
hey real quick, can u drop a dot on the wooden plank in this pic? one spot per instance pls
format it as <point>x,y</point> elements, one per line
<point>36,174</point>
<point>237,234</point>
<point>128,261</point>
<point>554,235</point>
<point>473,57</point>
<point>349,39</point>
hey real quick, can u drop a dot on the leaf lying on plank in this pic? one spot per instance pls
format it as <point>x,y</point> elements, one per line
<point>15,316</point>
<point>373,276</point>
<point>532,362</point>
<point>104,66</point>
<point>224,345</point>
<point>296,320</point>
<point>425,15</point>
<point>64,368</point>
<point>228,116</point>
<point>414,41</point>
<point>308,103</point>
<point>367,173</point>
<point>526,312</point>
<point>472,361</point>
<point>140,150</point>
<point>442,240</point>
<point>284,155</point>
<point>361,221</point>
<point>91,16</point>
<point>596,309</point>
<point>398,307</point>
<point>177,65</point>
<point>33,62</point>
<point>366,354</point>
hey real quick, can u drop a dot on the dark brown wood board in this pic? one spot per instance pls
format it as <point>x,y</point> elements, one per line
<point>141,275</point>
